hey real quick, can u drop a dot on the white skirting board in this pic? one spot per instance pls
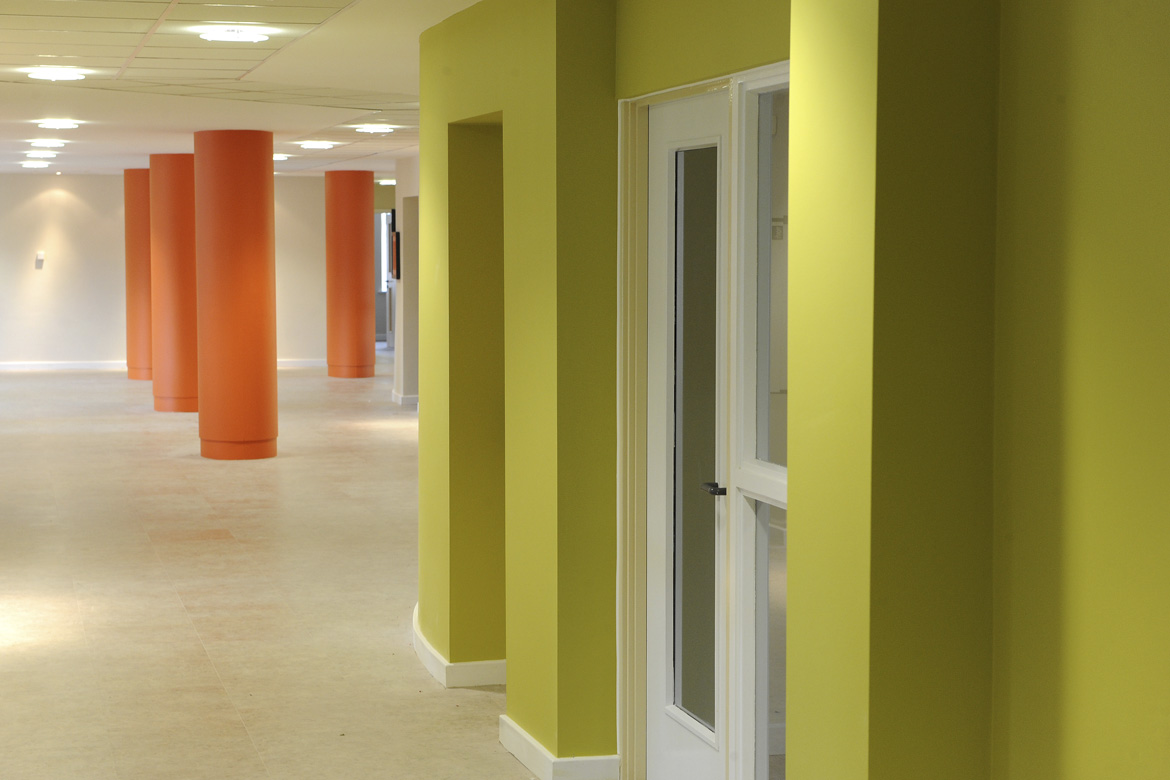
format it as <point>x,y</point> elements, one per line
<point>546,766</point>
<point>403,400</point>
<point>60,365</point>
<point>468,674</point>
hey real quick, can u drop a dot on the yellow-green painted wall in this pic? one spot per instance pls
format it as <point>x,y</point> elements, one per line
<point>831,247</point>
<point>586,333</point>
<point>668,44</point>
<point>892,206</point>
<point>1083,377</point>
<point>546,68</point>
<point>475,242</point>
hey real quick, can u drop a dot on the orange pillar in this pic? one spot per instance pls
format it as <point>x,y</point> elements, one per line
<point>136,195</point>
<point>174,345</point>
<point>234,216</point>
<point>349,272</point>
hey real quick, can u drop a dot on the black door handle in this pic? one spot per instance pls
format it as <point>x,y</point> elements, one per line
<point>714,489</point>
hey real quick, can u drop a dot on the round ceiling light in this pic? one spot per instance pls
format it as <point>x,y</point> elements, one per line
<point>388,182</point>
<point>46,143</point>
<point>35,164</point>
<point>279,157</point>
<point>55,74</point>
<point>46,155</point>
<point>317,144</point>
<point>234,33</point>
<point>58,124</point>
<point>374,128</point>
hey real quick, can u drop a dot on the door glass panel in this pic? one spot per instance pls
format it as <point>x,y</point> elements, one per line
<point>773,521</point>
<point>772,281</point>
<point>696,229</point>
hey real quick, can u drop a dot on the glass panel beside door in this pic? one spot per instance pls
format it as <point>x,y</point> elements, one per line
<point>695,373</point>
<point>772,280</point>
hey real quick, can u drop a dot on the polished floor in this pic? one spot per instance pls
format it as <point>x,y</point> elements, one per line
<point>165,616</point>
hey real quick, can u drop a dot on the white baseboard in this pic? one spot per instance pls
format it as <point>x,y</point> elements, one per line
<point>546,766</point>
<point>63,365</point>
<point>467,674</point>
<point>776,739</point>
<point>403,400</point>
<point>301,363</point>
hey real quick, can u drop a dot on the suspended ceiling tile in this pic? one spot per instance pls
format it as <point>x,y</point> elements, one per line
<point>267,14</point>
<point>335,4</point>
<point>76,24</point>
<point>173,64</point>
<point>98,9</point>
<point>23,60</point>
<point>147,74</point>
<point>68,38</point>
<point>200,53</point>
<point>68,49</point>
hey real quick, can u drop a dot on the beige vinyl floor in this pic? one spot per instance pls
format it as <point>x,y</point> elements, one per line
<point>165,616</point>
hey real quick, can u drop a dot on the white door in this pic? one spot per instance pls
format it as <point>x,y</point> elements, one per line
<point>686,645</point>
<point>716,471</point>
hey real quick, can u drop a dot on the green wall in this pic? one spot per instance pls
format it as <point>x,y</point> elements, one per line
<point>546,69</point>
<point>669,44</point>
<point>1083,377</point>
<point>892,206</point>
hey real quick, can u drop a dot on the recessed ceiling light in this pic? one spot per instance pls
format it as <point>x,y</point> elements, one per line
<point>45,155</point>
<point>47,143</point>
<point>279,157</point>
<point>58,173</point>
<point>374,128</point>
<point>58,124</point>
<point>387,182</point>
<point>234,33</point>
<point>35,164</point>
<point>317,144</point>
<point>55,74</point>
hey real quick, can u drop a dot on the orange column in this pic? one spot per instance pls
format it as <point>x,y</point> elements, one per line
<point>174,346</point>
<point>349,272</point>
<point>136,195</point>
<point>234,216</point>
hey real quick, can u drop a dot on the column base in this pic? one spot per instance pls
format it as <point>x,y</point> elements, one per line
<point>351,372</point>
<point>138,373</point>
<point>176,404</point>
<point>237,450</point>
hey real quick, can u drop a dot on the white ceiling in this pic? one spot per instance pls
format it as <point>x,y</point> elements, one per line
<point>151,81</point>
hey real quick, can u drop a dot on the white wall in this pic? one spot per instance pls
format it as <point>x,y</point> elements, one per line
<point>406,289</point>
<point>74,310</point>
<point>300,268</point>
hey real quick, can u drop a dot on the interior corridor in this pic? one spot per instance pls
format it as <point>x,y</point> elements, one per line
<point>166,616</point>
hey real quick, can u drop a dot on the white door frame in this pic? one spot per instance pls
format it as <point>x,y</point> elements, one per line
<point>750,478</point>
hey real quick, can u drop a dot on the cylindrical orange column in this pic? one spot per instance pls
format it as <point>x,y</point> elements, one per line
<point>349,272</point>
<point>174,341</point>
<point>136,195</point>
<point>234,216</point>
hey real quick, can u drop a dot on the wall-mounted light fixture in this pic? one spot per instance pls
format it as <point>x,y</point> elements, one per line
<point>40,259</point>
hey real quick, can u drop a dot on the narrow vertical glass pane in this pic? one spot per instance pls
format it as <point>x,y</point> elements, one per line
<point>775,520</point>
<point>696,229</point>
<point>772,281</point>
